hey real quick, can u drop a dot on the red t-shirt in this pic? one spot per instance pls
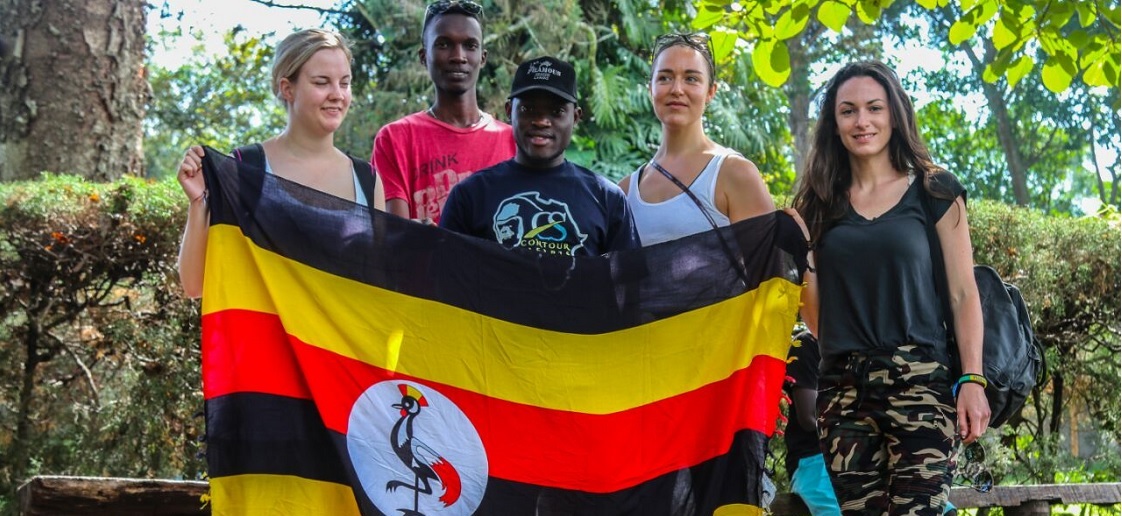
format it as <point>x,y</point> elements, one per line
<point>420,158</point>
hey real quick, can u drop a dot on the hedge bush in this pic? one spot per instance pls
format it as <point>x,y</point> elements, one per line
<point>99,362</point>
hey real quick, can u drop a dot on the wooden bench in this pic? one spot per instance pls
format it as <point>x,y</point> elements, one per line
<point>57,495</point>
<point>1016,500</point>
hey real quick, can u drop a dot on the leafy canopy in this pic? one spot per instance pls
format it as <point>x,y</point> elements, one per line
<point>1079,39</point>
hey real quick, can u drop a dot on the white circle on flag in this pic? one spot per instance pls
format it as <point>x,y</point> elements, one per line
<point>441,446</point>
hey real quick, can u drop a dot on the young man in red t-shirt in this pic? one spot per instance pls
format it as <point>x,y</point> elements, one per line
<point>422,156</point>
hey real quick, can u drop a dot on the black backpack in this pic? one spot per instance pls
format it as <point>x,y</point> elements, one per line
<point>1011,356</point>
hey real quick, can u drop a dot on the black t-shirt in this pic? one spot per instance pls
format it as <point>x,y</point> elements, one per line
<point>875,281</point>
<point>565,210</point>
<point>802,367</point>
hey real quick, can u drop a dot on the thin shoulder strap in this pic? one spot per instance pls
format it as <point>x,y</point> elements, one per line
<point>736,264</point>
<point>688,192</point>
<point>938,268</point>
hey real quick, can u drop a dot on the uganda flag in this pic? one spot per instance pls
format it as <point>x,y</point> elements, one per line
<point>360,363</point>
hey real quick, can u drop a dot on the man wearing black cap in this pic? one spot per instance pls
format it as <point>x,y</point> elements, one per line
<point>539,200</point>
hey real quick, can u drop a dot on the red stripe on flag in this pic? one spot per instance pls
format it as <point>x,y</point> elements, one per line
<point>245,351</point>
<point>569,450</point>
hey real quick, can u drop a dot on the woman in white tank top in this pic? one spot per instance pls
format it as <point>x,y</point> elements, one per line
<point>728,186</point>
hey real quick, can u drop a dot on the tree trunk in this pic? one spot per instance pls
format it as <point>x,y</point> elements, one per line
<point>21,456</point>
<point>1017,171</point>
<point>1006,136</point>
<point>74,90</point>
<point>1057,403</point>
<point>798,93</point>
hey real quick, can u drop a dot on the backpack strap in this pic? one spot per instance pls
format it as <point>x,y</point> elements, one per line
<point>253,154</point>
<point>366,179</point>
<point>939,270</point>
<point>937,265</point>
<point>251,186</point>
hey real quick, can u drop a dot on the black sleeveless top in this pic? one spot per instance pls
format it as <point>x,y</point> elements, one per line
<point>875,281</point>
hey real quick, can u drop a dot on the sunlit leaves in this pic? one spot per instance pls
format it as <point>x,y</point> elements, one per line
<point>1058,14</point>
<point>1003,35</point>
<point>723,43</point>
<point>1060,67</point>
<point>1099,67</point>
<point>1086,12</point>
<point>932,4</point>
<point>868,11</point>
<point>1015,73</point>
<point>792,21</point>
<point>709,12</point>
<point>221,101</point>
<point>833,14</point>
<point>967,26</point>
<point>772,62</point>
<point>1078,38</point>
<point>1058,72</point>
<point>1100,73</point>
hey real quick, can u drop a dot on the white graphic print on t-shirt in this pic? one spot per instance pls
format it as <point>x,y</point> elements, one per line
<point>527,220</point>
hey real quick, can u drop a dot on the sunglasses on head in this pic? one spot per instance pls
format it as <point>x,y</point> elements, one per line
<point>440,7</point>
<point>698,40</point>
<point>686,37</point>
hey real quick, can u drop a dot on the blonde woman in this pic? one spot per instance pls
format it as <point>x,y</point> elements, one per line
<point>312,79</point>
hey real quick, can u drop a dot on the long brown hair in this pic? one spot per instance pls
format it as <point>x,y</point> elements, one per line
<point>823,195</point>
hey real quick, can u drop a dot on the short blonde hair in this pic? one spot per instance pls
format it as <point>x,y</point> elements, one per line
<point>297,49</point>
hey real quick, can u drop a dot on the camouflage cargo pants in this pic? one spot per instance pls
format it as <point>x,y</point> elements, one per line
<point>886,423</point>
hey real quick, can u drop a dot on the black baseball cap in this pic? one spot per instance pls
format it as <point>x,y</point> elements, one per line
<point>545,73</point>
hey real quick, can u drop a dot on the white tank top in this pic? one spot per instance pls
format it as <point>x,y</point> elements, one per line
<point>677,216</point>
<point>360,196</point>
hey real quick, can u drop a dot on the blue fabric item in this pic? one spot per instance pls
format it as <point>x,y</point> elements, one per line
<point>812,483</point>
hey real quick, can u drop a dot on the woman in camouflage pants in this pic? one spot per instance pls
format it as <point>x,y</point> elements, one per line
<point>888,420</point>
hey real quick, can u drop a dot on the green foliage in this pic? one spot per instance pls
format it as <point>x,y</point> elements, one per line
<point>609,43</point>
<point>99,367</point>
<point>1035,147</point>
<point>1079,39</point>
<point>971,150</point>
<point>222,101</point>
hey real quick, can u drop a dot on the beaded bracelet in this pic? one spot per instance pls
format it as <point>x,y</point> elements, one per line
<point>969,378</point>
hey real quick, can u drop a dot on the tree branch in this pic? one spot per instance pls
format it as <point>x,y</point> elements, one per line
<point>85,371</point>
<point>321,10</point>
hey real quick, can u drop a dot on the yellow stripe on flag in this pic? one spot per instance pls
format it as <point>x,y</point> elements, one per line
<point>457,347</point>
<point>738,509</point>
<point>253,495</point>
